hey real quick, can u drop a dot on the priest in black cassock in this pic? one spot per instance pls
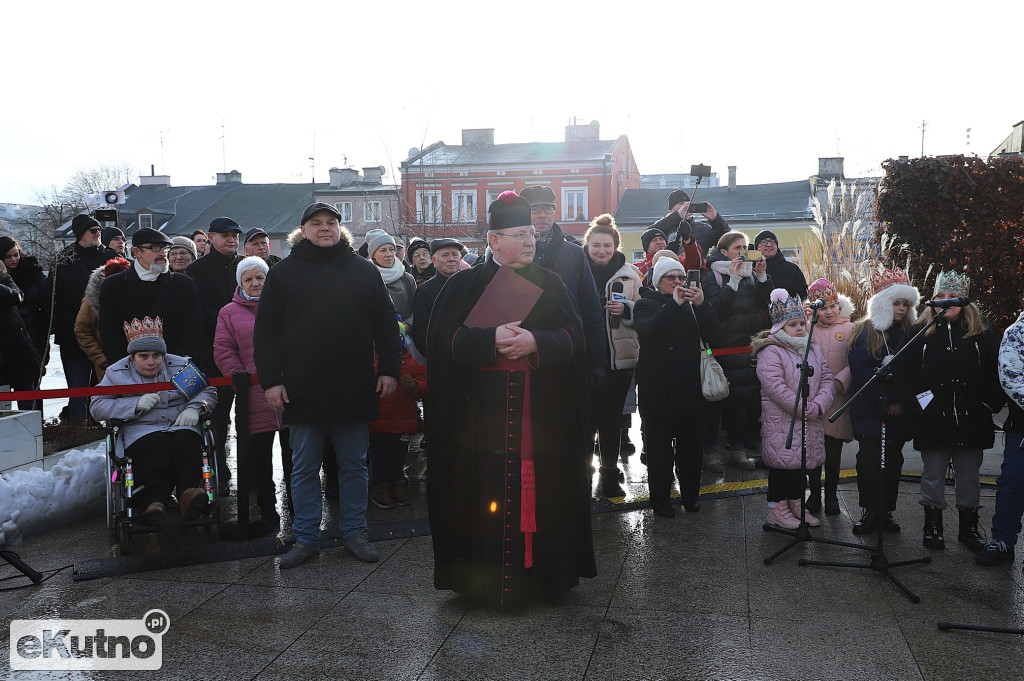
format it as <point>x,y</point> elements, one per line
<point>509,490</point>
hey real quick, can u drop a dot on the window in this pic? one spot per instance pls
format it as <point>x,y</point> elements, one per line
<point>574,204</point>
<point>145,221</point>
<point>345,208</point>
<point>464,206</point>
<point>371,211</point>
<point>428,206</point>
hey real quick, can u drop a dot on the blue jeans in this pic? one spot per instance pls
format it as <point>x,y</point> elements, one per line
<point>1006,522</point>
<point>350,442</point>
<point>78,373</point>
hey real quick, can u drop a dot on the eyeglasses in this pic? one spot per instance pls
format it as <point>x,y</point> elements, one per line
<point>95,230</point>
<point>771,242</point>
<point>521,237</point>
<point>156,248</point>
<point>674,277</point>
<point>547,210</point>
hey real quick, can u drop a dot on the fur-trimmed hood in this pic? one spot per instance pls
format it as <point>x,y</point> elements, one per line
<point>880,305</point>
<point>92,289</point>
<point>846,307</point>
<point>762,340</point>
<point>296,236</point>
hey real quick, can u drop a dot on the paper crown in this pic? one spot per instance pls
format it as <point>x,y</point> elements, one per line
<point>784,307</point>
<point>147,328</point>
<point>823,289</point>
<point>883,279</point>
<point>959,284</point>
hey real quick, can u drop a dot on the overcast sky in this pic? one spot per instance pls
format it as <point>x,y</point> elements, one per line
<point>768,87</point>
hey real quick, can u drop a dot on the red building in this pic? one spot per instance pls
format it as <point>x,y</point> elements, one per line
<point>446,189</point>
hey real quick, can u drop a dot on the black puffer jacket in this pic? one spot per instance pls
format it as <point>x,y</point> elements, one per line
<point>67,281</point>
<point>742,313</point>
<point>35,310</point>
<point>214,275</point>
<point>19,361</point>
<point>961,375</point>
<point>787,275</point>
<point>668,371</point>
<point>322,312</point>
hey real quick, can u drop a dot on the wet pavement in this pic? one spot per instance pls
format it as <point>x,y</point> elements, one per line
<point>682,598</point>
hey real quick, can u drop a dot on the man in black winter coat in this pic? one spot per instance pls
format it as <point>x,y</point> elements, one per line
<point>67,282</point>
<point>568,261</point>
<point>214,275</point>
<point>19,361</point>
<point>150,289</point>
<point>784,273</point>
<point>323,313</point>
<point>445,256</point>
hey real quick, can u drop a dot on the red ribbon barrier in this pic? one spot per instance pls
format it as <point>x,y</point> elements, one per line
<point>131,389</point>
<point>732,351</point>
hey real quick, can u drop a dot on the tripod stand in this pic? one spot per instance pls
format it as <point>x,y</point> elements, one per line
<point>13,560</point>
<point>802,533</point>
<point>879,562</point>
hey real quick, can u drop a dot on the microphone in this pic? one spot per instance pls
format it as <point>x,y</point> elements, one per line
<point>952,302</point>
<point>617,288</point>
<point>817,304</point>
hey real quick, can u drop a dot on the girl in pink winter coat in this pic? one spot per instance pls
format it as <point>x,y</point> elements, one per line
<point>832,335</point>
<point>778,354</point>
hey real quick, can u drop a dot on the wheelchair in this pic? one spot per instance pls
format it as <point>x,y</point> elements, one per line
<point>125,522</point>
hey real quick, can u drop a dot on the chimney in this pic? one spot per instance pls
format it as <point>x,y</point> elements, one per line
<point>590,131</point>
<point>904,159</point>
<point>342,177</point>
<point>732,178</point>
<point>831,167</point>
<point>478,137</point>
<point>373,174</point>
<point>229,178</point>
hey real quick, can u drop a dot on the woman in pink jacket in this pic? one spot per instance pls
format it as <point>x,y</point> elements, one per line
<point>233,353</point>
<point>778,354</point>
<point>832,336</point>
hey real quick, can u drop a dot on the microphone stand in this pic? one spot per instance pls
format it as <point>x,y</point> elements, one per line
<point>802,533</point>
<point>879,563</point>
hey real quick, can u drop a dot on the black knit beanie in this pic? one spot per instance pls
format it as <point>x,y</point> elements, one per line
<point>82,223</point>
<point>649,235</point>
<point>764,234</point>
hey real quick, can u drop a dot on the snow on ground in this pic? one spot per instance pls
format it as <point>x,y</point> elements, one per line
<point>35,500</point>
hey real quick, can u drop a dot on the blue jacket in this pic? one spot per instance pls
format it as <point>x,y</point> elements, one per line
<point>568,261</point>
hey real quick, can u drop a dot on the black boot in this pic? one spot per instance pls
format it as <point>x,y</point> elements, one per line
<point>933,528</point>
<point>969,535</point>
<point>813,503</point>
<point>609,483</point>
<point>867,524</point>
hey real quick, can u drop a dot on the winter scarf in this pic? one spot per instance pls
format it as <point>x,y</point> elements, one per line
<point>602,273</point>
<point>393,273</point>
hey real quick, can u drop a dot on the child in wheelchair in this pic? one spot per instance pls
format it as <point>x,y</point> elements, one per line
<point>160,430</point>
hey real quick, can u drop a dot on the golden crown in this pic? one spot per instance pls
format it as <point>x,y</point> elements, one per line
<point>883,279</point>
<point>147,328</point>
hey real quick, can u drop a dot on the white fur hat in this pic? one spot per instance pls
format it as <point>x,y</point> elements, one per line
<point>880,305</point>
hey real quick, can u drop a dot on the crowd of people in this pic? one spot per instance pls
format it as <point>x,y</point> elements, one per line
<point>521,366</point>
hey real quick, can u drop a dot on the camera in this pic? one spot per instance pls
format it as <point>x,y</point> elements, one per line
<point>753,255</point>
<point>698,206</point>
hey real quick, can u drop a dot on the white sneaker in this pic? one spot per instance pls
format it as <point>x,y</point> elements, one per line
<point>713,463</point>
<point>780,516</point>
<point>738,458</point>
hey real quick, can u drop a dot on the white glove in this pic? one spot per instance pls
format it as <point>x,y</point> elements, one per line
<point>146,402</point>
<point>188,417</point>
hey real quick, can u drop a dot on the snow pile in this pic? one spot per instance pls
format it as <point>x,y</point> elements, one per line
<point>36,500</point>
